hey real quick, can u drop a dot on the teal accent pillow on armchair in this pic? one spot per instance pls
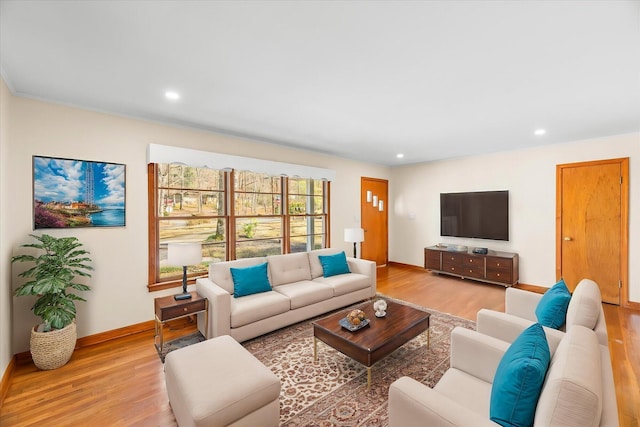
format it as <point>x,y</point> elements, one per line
<point>333,265</point>
<point>519,378</point>
<point>551,310</point>
<point>250,280</point>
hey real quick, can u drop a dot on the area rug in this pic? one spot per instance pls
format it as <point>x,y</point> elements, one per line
<point>333,391</point>
<point>169,346</point>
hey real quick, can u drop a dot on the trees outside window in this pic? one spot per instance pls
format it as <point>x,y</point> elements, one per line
<point>307,218</point>
<point>188,204</point>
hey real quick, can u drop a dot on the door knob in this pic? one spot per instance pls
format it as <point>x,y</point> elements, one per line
<point>567,239</point>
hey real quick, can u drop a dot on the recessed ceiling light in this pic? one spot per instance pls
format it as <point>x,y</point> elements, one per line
<point>399,155</point>
<point>539,132</point>
<point>173,96</point>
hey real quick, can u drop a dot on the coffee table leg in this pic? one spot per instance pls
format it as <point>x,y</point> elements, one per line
<point>315,349</point>
<point>368,377</point>
<point>428,338</point>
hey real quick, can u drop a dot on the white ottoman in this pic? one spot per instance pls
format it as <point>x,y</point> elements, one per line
<point>219,383</point>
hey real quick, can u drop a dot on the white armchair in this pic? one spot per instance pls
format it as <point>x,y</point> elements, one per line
<point>585,309</point>
<point>461,397</point>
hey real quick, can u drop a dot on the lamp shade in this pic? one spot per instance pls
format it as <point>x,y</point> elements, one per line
<point>353,235</point>
<point>182,254</point>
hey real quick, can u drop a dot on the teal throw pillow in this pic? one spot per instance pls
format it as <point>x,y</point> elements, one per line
<point>551,310</point>
<point>333,265</point>
<point>250,280</point>
<point>518,381</point>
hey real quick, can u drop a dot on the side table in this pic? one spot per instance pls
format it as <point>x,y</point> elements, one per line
<point>168,308</point>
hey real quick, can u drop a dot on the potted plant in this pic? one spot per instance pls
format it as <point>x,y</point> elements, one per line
<point>51,278</point>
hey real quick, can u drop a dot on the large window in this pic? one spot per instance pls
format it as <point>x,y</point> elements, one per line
<point>307,219</point>
<point>258,215</point>
<point>236,214</point>
<point>190,207</point>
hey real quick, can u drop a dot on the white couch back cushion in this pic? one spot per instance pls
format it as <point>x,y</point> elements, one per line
<point>585,304</point>
<point>289,268</point>
<point>220,272</point>
<point>314,261</point>
<point>572,392</point>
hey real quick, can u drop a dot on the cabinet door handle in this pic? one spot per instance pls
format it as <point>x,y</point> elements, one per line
<point>567,239</point>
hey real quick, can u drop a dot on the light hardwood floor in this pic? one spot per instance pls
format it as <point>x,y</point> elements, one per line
<point>121,382</point>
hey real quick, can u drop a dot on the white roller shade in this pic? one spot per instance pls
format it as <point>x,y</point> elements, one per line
<point>207,159</point>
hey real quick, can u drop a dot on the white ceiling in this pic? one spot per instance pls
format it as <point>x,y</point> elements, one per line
<point>359,79</point>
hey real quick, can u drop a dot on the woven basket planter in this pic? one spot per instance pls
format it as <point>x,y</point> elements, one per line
<point>51,350</point>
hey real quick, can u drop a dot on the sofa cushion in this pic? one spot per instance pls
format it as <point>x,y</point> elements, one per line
<point>332,265</point>
<point>519,378</point>
<point>343,284</point>
<point>252,308</point>
<point>551,311</point>
<point>314,261</point>
<point>572,393</point>
<point>250,280</point>
<point>305,293</point>
<point>585,305</point>
<point>461,386</point>
<point>220,272</point>
<point>289,268</point>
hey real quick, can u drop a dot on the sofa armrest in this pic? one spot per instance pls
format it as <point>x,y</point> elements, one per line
<point>475,353</point>
<point>219,309</point>
<point>414,404</point>
<point>521,303</point>
<point>507,327</point>
<point>366,267</point>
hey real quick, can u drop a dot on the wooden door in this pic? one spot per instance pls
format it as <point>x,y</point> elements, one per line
<point>591,225</point>
<point>374,208</point>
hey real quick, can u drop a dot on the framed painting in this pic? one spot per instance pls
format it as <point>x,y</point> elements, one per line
<point>71,193</point>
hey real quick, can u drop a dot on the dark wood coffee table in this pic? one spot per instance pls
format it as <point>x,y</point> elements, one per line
<point>378,339</point>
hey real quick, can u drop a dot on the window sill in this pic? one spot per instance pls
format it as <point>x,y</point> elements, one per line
<point>160,286</point>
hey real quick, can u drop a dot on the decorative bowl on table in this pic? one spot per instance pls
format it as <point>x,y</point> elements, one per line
<point>355,320</point>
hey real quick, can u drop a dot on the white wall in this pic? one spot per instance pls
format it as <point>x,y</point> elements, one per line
<point>5,270</point>
<point>119,296</point>
<point>530,177</point>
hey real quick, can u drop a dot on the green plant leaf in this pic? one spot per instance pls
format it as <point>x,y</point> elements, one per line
<point>60,261</point>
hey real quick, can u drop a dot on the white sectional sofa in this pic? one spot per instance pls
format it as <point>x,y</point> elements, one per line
<point>299,291</point>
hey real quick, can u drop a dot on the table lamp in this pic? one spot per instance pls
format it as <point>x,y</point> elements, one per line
<point>354,235</point>
<point>184,254</point>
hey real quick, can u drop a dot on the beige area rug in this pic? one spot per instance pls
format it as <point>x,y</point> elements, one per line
<point>333,390</point>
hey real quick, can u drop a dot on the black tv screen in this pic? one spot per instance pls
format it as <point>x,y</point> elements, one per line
<point>480,214</point>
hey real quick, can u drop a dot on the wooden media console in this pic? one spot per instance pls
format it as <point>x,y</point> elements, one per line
<point>500,268</point>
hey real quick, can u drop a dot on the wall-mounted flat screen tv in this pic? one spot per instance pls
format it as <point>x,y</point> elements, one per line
<point>480,214</point>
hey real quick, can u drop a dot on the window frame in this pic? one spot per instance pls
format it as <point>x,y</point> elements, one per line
<point>155,283</point>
